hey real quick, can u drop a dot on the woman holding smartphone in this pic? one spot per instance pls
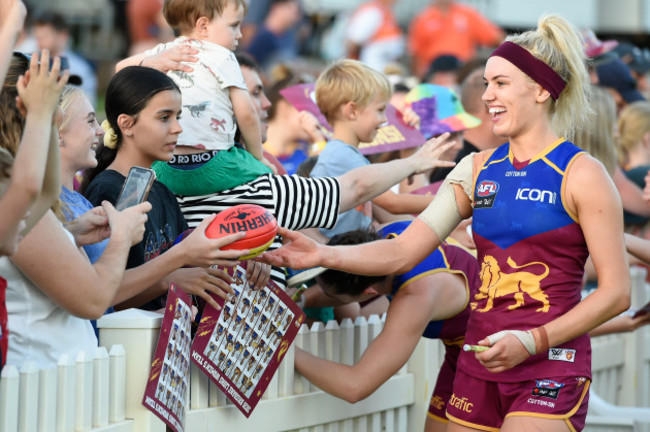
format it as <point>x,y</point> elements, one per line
<point>142,109</point>
<point>79,135</point>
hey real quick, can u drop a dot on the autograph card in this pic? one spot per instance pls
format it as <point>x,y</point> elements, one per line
<point>241,346</point>
<point>166,391</point>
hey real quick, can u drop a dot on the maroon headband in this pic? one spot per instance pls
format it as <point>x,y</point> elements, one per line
<point>539,71</point>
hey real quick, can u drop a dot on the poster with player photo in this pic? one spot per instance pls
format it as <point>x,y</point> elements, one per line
<point>241,346</point>
<point>166,391</point>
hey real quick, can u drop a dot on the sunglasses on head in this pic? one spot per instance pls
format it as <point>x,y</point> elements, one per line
<point>64,61</point>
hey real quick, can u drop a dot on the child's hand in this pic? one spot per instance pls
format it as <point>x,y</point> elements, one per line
<point>428,156</point>
<point>201,282</point>
<point>309,123</point>
<point>39,89</point>
<point>411,118</point>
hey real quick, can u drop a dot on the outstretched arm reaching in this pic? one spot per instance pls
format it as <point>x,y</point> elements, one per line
<point>380,257</point>
<point>435,296</point>
<point>364,183</point>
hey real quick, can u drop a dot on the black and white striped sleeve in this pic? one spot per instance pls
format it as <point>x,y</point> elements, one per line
<point>306,202</point>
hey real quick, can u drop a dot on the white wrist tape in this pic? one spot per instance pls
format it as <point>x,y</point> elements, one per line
<point>525,337</point>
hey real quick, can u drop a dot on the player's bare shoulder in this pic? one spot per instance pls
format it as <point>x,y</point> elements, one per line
<point>587,177</point>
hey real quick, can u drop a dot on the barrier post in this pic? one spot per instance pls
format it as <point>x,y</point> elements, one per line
<point>137,331</point>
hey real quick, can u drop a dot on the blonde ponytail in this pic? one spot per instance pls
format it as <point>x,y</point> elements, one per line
<point>557,43</point>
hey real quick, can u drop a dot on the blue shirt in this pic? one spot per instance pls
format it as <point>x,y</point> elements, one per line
<point>336,159</point>
<point>75,205</point>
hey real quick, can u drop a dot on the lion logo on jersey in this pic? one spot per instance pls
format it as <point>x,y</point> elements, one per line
<point>495,284</point>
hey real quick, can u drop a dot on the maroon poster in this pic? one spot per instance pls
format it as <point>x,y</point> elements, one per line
<point>241,346</point>
<point>394,135</point>
<point>166,391</point>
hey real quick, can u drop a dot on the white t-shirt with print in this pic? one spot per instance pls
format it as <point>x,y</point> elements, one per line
<point>208,119</point>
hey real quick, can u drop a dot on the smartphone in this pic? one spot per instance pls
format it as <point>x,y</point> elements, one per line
<point>65,64</point>
<point>136,187</point>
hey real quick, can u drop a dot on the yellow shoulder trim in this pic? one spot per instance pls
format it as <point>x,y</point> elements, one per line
<point>549,148</point>
<point>563,188</point>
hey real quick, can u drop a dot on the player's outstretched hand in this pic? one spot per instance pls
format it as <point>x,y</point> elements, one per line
<point>298,251</point>
<point>201,251</point>
<point>203,281</point>
<point>428,156</point>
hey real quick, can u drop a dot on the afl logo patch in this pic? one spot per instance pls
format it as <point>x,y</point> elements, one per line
<point>487,188</point>
<point>486,193</point>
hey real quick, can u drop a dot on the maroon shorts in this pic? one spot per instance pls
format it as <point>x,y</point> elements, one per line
<point>444,385</point>
<point>484,404</point>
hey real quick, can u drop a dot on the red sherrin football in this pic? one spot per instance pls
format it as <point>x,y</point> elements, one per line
<point>258,223</point>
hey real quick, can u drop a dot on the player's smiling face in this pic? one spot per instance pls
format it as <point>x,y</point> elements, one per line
<point>510,96</point>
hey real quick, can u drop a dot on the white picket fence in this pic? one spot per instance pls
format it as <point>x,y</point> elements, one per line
<point>620,397</point>
<point>82,394</point>
<point>104,393</point>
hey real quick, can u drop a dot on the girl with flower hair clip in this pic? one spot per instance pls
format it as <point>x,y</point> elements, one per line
<point>142,109</point>
<point>80,136</point>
